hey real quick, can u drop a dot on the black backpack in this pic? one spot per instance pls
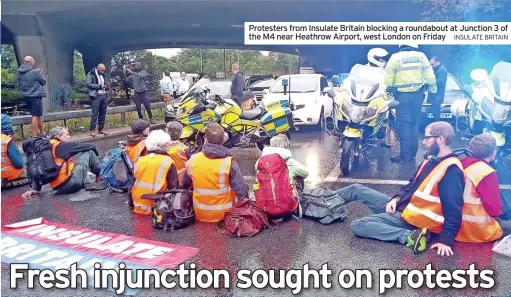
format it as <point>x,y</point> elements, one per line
<point>41,167</point>
<point>172,209</point>
<point>323,205</point>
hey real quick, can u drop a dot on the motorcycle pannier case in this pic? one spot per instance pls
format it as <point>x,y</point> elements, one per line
<point>276,119</point>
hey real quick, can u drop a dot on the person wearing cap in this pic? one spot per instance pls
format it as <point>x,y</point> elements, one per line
<point>408,74</point>
<point>135,142</point>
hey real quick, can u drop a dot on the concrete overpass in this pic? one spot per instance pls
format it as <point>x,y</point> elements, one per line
<point>50,30</point>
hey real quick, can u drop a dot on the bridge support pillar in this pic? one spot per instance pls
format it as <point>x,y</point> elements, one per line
<point>91,59</point>
<point>55,57</point>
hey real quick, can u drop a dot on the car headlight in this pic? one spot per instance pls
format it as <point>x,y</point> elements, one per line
<point>357,113</point>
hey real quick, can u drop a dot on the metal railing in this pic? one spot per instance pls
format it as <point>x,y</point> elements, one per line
<point>74,114</point>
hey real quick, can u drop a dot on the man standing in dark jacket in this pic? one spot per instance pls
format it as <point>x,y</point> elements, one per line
<point>98,95</point>
<point>31,83</point>
<point>441,79</point>
<point>238,81</point>
<point>388,223</point>
<point>138,76</point>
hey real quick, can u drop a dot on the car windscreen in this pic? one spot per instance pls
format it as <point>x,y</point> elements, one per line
<point>263,84</point>
<point>296,85</point>
<point>219,87</point>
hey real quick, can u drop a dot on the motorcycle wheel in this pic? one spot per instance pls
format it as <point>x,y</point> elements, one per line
<point>347,155</point>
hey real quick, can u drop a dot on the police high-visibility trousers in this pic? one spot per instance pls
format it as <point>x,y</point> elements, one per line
<point>408,114</point>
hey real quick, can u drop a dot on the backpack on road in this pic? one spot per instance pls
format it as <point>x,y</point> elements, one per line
<point>323,205</point>
<point>41,167</point>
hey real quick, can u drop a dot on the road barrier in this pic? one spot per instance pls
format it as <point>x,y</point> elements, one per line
<point>73,114</point>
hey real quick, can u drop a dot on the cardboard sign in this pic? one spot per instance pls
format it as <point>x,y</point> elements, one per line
<point>47,245</point>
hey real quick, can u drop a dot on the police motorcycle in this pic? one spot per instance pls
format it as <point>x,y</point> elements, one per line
<point>488,109</point>
<point>244,128</point>
<point>360,114</point>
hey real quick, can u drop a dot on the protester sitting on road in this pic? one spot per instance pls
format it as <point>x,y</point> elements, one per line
<point>279,144</point>
<point>178,151</point>
<point>430,202</point>
<point>154,172</point>
<point>75,161</point>
<point>215,176</point>
<point>12,160</point>
<point>482,194</point>
<point>135,142</point>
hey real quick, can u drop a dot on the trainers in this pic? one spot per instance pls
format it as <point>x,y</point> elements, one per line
<point>92,133</point>
<point>102,132</point>
<point>97,186</point>
<point>418,240</point>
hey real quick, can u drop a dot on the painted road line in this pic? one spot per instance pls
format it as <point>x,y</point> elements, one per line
<point>334,175</point>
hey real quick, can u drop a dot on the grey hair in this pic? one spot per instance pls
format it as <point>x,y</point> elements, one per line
<point>157,139</point>
<point>174,129</point>
<point>482,145</point>
<point>443,129</point>
<point>57,132</point>
<point>281,141</point>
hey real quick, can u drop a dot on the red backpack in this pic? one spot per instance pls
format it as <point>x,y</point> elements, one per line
<point>273,192</point>
<point>244,219</point>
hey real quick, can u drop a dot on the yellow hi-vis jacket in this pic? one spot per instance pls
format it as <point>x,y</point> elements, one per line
<point>408,71</point>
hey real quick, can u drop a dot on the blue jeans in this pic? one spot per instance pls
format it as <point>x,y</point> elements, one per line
<point>84,162</point>
<point>381,225</point>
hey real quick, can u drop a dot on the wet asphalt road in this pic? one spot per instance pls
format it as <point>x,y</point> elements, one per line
<point>292,245</point>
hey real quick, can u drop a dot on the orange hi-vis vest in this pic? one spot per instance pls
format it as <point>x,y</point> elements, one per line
<point>150,173</point>
<point>134,151</point>
<point>212,193</point>
<point>66,167</point>
<point>477,225</point>
<point>177,153</point>
<point>425,209</point>
<point>9,172</point>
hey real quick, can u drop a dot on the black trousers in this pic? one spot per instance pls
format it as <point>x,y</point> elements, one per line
<point>98,111</point>
<point>142,98</point>
<point>435,106</point>
<point>407,118</point>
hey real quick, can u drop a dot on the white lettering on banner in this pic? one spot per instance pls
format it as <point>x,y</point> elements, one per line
<point>353,33</point>
<point>96,241</point>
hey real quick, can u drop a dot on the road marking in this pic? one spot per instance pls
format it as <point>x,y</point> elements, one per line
<point>385,182</point>
<point>334,175</point>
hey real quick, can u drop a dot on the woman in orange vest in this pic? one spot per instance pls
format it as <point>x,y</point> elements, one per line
<point>178,151</point>
<point>12,160</point>
<point>482,207</point>
<point>154,172</point>
<point>215,176</point>
<point>135,143</point>
<point>75,161</point>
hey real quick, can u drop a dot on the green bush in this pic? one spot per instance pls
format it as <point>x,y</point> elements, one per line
<point>10,95</point>
<point>77,95</point>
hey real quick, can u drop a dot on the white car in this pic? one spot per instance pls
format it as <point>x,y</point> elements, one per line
<point>308,98</point>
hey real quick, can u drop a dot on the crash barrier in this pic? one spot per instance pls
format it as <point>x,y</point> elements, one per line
<point>73,114</point>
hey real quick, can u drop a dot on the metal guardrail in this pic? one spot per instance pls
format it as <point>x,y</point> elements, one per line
<point>73,114</point>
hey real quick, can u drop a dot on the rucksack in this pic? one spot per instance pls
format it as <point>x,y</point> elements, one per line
<point>244,219</point>
<point>172,209</point>
<point>116,170</point>
<point>41,166</point>
<point>273,192</point>
<point>323,205</point>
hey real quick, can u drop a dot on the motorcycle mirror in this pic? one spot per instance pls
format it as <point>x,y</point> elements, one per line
<point>393,104</point>
<point>478,75</point>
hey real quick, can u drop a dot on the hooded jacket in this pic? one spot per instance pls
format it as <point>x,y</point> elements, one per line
<point>31,82</point>
<point>236,181</point>
<point>294,167</point>
<point>138,77</point>
<point>12,150</point>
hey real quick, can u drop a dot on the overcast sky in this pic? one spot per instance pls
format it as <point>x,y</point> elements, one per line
<point>169,52</point>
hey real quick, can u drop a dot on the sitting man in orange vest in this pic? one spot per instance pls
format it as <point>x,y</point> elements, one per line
<point>75,161</point>
<point>135,142</point>
<point>430,202</point>
<point>12,160</point>
<point>178,151</point>
<point>154,173</point>
<point>215,176</point>
<point>482,207</point>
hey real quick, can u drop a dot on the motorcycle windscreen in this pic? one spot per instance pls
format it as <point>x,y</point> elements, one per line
<point>501,74</point>
<point>365,82</point>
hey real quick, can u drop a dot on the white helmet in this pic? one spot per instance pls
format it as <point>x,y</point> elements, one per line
<point>377,56</point>
<point>413,45</point>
